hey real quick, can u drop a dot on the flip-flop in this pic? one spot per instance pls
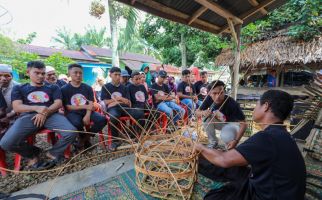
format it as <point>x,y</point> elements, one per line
<point>40,165</point>
<point>113,146</point>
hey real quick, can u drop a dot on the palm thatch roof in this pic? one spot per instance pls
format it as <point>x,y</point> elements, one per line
<point>272,53</point>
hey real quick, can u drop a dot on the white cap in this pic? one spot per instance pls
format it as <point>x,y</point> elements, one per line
<point>4,68</point>
<point>62,76</point>
<point>49,69</point>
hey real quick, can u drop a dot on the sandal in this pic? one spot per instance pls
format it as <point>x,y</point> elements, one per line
<point>113,146</point>
<point>40,165</point>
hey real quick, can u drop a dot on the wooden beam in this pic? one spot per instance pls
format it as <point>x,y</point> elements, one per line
<point>255,3</point>
<point>219,10</point>
<point>249,13</point>
<point>174,15</point>
<point>195,15</point>
<point>232,30</point>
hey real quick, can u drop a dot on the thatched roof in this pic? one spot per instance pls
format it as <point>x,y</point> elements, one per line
<point>278,51</point>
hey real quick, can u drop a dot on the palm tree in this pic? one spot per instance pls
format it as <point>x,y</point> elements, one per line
<point>115,12</point>
<point>65,39</point>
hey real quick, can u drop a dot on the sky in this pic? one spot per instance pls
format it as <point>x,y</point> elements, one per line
<point>45,17</point>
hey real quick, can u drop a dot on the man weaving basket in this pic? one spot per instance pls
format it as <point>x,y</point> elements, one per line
<point>277,166</point>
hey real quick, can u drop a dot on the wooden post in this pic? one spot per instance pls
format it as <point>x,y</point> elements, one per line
<point>236,63</point>
<point>282,77</point>
<point>278,74</point>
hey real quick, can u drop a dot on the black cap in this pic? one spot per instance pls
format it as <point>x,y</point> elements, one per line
<point>162,73</point>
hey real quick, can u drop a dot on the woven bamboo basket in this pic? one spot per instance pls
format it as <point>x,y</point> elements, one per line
<point>166,166</point>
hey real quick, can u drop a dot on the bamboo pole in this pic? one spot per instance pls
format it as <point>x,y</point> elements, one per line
<point>236,63</point>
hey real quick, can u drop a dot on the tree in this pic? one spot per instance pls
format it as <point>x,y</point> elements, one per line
<point>179,44</point>
<point>301,20</point>
<point>28,40</point>
<point>59,62</point>
<point>74,41</point>
<point>115,12</point>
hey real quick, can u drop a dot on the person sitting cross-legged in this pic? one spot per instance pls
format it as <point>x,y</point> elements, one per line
<point>37,104</point>
<point>138,97</point>
<point>277,166</point>
<point>117,100</point>
<point>78,100</point>
<point>163,100</point>
<point>186,92</point>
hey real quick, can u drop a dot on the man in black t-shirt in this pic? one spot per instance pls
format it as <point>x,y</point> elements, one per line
<point>201,87</point>
<point>164,101</point>
<point>37,104</point>
<point>186,92</point>
<point>51,77</point>
<point>277,166</point>
<point>78,101</point>
<point>138,97</point>
<point>216,110</point>
<point>117,101</point>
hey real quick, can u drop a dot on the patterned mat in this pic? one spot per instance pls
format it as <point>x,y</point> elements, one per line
<point>123,187</point>
<point>313,180</point>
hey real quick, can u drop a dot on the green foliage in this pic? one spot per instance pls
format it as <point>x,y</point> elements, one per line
<point>59,62</point>
<point>302,18</point>
<point>28,39</point>
<point>7,48</point>
<point>74,41</point>
<point>165,36</point>
<point>20,60</point>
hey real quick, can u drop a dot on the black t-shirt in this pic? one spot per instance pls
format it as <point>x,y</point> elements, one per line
<point>77,96</point>
<point>3,104</point>
<point>36,96</point>
<point>186,89</point>
<point>161,90</point>
<point>60,83</point>
<point>278,168</point>
<point>201,89</point>
<point>138,95</point>
<point>231,109</point>
<point>109,90</point>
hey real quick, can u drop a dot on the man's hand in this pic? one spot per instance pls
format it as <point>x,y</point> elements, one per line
<point>197,147</point>
<point>113,104</point>
<point>87,120</point>
<point>39,120</point>
<point>41,109</point>
<point>232,144</point>
<point>89,107</point>
<point>195,98</point>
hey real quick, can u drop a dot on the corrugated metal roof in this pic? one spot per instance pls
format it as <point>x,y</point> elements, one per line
<point>187,8</point>
<point>95,51</point>
<point>48,51</point>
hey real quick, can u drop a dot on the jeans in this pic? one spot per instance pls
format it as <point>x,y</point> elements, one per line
<point>117,111</point>
<point>15,138</point>
<point>98,120</point>
<point>190,104</point>
<point>168,106</point>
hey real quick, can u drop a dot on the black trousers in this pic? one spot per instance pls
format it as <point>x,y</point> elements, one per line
<point>116,112</point>
<point>237,179</point>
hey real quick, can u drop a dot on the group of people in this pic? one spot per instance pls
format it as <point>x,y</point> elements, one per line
<point>277,167</point>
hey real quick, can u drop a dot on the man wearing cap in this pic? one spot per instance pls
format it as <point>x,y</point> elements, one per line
<point>162,99</point>
<point>6,85</point>
<point>51,77</point>
<point>125,76</point>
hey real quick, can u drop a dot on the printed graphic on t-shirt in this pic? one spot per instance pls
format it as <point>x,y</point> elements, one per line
<point>203,91</point>
<point>139,96</point>
<point>116,94</point>
<point>77,100</point>
<point>38,97</point>
<point>161,93</point>
<point>187,89</point>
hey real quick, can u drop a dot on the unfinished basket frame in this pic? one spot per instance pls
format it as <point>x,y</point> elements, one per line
<point>166,166</point>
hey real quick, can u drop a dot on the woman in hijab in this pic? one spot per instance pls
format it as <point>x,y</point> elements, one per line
<point>148,77</point>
